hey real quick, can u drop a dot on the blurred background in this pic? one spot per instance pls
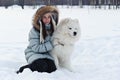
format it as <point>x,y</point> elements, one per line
<point>114,4</point>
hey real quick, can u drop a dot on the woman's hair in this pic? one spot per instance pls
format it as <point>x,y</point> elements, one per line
<point>44,32</point>
<point>41,11</point>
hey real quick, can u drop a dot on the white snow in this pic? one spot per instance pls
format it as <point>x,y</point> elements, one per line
<point>96,55</point>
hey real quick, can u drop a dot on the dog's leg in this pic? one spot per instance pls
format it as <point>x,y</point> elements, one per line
<point>66,63</point>
<point>56,61</point>
<point>22,68</point>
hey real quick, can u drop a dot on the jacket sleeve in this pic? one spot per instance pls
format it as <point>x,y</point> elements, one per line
<point>35,45</point>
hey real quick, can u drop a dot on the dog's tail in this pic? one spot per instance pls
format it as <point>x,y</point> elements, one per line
<point>22,68</point>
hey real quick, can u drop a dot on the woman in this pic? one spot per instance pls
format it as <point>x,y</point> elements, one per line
<point>38,50</point>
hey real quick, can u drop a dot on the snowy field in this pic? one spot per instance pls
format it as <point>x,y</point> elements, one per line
<point>96,55</point>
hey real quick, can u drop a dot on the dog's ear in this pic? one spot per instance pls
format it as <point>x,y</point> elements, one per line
<point>76,20</point>
<point>67,20</point>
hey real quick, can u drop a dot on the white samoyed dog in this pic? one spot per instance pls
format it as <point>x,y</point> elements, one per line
<point>64,38</point>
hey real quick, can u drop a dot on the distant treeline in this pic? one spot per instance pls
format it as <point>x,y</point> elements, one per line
<point>81,3</point>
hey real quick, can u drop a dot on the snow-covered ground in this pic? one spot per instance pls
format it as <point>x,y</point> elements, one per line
<point>96,55</point>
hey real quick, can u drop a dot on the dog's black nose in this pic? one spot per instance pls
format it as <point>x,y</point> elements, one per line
<point>75,33</point>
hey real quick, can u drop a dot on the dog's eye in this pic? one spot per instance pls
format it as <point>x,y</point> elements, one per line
<point>70,28</point>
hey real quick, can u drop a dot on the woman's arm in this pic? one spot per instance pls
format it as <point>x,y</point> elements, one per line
<point>35,45</point>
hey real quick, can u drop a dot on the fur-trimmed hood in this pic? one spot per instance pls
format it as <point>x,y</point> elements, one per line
<point>41,11</point>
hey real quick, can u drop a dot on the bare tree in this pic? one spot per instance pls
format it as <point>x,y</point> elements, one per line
<point>6,3</point>
<point>69,3</point>
<point>109,4</point>
<point>21,3</point>
<point>49,2</point>
<point>99,3</point>
<point>81,3</point>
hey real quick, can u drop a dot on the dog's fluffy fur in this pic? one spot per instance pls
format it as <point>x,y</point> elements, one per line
<point>64,38</point>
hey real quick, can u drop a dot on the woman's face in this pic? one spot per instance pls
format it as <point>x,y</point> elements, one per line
<point>46,18</point>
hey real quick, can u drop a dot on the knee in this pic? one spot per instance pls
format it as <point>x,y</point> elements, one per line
<point>51,65</point>
<point>43,65</point>
<point>39,65</point>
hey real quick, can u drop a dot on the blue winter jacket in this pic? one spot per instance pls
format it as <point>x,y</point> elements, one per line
<point>37,50</point>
